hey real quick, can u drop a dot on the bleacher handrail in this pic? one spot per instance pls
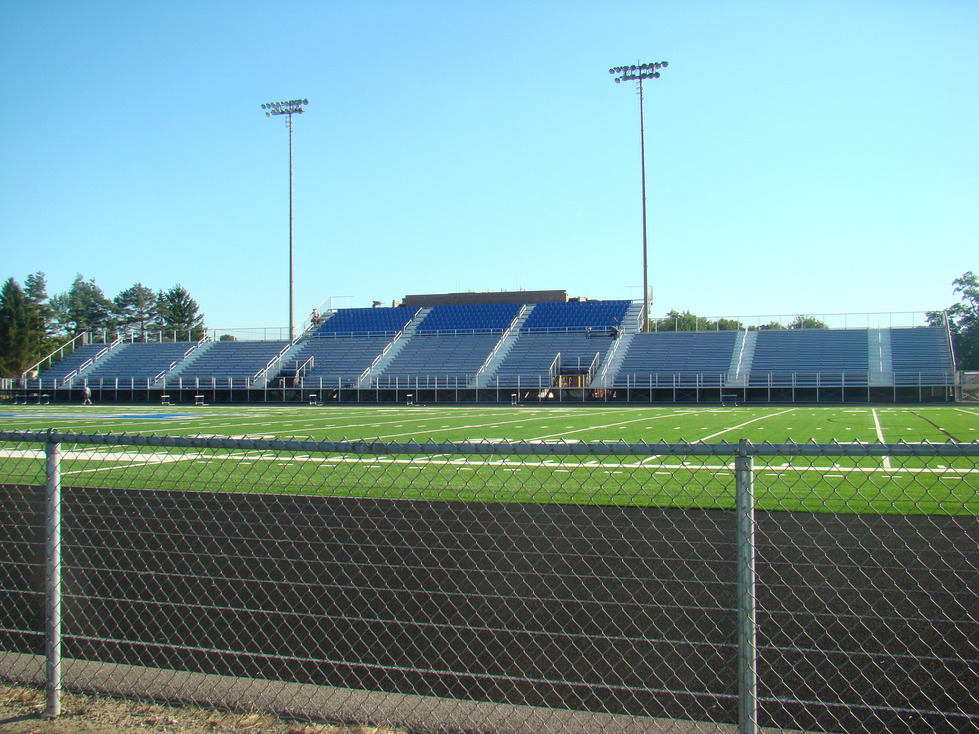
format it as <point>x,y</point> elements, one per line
<point>609,359</point>
<point>593,367</point>
<point>180,359</point>
<point>387,348</point>
<point>499,344</point>
<point>948,337</point>
<point>50,357</point>
<point>481,331</point>
<point>301,369</point>
<point>596,329</point>
<point>67,379</point>
<point>555,369</point>
<point>263,373</point>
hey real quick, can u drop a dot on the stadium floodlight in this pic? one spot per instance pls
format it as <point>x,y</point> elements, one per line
<point>290,108</point>
<point>638,73</point>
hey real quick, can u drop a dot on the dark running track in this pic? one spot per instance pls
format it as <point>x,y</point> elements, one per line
<point>867,623</point>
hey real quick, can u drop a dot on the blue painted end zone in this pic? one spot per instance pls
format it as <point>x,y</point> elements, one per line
<point>162,416</point>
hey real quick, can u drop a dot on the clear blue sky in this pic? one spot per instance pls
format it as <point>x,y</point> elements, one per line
<point>813,157</point>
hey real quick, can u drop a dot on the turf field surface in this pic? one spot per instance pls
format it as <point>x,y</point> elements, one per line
<point>877,484</point>
<point>885,424</point>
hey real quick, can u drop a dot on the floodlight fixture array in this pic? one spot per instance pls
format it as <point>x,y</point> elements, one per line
<point>290,108</point>
<point>637,73</point>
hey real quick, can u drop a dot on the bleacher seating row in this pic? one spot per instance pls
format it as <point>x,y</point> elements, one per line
<point>365,322</point>
<point>481,347</point>
<point>494,317</point>
<point>679,357</point>
<point>573,316</point>
<point>438,356</point>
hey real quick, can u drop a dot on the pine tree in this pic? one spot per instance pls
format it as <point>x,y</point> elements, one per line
<point>136,306</point>
<point>178,311</point>
<point>36,290</point>
<point>21,331</point>
<point>83,307</point>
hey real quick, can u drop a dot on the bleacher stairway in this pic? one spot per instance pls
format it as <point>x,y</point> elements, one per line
<point>283,364</point>
<point>880,367</point>
<point>630,323</point>
<point>189,360</point>
<point>506,342</point>
<point>613,360</point>
<point>392,350</point>
<point>96,361</point>
<point>744,352</point>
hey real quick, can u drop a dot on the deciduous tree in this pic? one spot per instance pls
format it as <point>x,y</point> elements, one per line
<point>806,322</point>
<point>687,321</point>
<point>963,321</point>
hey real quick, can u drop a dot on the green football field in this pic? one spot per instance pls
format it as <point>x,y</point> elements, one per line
<point>868,484</point>
<point>888,424</point>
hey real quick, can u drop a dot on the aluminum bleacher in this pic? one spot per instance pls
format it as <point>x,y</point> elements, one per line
<point>484,351</point>
<point>139,363</point>
<point>921,356</point>
<point>676,358</point>
<point>438,360</point>
<point>576,316</point>
<point>809,358</point>
<point>490,317</point>
<point>530,360</point>
<point>336,361</point>
<point>67,366</point>
<point>228,364</point>
<point>365,322</point>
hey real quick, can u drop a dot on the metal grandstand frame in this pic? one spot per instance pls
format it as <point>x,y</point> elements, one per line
<point>269,384</point>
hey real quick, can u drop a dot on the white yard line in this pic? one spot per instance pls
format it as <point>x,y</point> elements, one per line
<point>880,436</point>
<point>746,423</point>
<point>522,420</point>
<point>393,417</point>
<point>732,428</point>
<point>609,425</point>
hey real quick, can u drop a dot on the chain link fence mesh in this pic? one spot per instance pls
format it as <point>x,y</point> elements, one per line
<point>501,586</point>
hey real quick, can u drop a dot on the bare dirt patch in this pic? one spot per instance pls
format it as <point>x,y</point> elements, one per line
<point>21,708</point>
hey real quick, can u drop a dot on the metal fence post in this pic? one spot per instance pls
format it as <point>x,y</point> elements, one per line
<point>52,550</point>
<point>745,535</point>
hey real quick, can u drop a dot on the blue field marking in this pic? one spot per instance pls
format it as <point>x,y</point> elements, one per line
<point>162,416</point>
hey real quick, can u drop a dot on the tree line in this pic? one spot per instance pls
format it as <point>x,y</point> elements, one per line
<point>687,321</point>
<point>32,324</point>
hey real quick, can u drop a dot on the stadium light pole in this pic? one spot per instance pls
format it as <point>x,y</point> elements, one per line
<point>290,108</point>
<point>638,73</point>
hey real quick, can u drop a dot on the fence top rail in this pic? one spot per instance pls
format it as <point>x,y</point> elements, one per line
<point>742,448</point>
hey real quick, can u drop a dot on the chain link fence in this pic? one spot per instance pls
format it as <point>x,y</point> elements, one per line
<point>499,586</point>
